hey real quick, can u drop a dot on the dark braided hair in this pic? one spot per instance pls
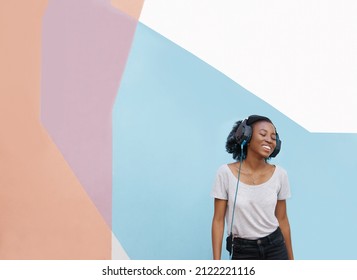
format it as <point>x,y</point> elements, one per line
<point>232,146</point>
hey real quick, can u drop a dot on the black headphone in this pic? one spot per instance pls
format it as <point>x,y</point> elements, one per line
<point>244,132</point>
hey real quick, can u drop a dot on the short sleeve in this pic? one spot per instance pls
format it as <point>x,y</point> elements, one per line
<point>284,191</point>
<point>219,189</point>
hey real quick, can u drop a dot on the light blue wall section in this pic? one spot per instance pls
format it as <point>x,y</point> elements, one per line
<point>323,210</point>
<point>172,115</point>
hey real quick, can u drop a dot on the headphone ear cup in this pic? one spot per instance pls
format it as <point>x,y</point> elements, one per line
<point>277,147</point>
<point>243,133</point>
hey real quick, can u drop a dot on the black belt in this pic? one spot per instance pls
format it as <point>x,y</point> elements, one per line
<point>264,240</point>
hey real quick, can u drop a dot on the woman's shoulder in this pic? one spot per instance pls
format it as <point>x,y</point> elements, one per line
<point>223,168</point>
<point>279,168</point>
<point>280,171</point>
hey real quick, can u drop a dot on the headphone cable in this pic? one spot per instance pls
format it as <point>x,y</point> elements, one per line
<point>236,192</point>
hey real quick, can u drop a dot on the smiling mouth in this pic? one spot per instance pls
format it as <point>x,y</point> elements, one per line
<point>267,148</point>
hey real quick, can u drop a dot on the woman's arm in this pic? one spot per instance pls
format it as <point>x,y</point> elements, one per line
<point>281,214</point>
<point>218,227</point>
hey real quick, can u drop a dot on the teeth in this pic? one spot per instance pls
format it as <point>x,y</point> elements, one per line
<point>267,147</point>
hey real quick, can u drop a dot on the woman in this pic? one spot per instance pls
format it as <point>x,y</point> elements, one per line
<point>250,195</point>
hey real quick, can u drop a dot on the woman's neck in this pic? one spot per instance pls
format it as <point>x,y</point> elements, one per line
<point>254,164</point>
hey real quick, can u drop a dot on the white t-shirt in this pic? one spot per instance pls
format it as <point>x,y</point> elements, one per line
<point>254,215</point>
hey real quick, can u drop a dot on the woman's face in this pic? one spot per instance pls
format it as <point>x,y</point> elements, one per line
<point>263,141</point>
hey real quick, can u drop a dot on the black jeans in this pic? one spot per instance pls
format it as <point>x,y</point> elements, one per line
<point>271,247</point>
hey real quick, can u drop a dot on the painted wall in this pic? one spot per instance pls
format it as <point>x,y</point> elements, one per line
<point>113,128</point>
